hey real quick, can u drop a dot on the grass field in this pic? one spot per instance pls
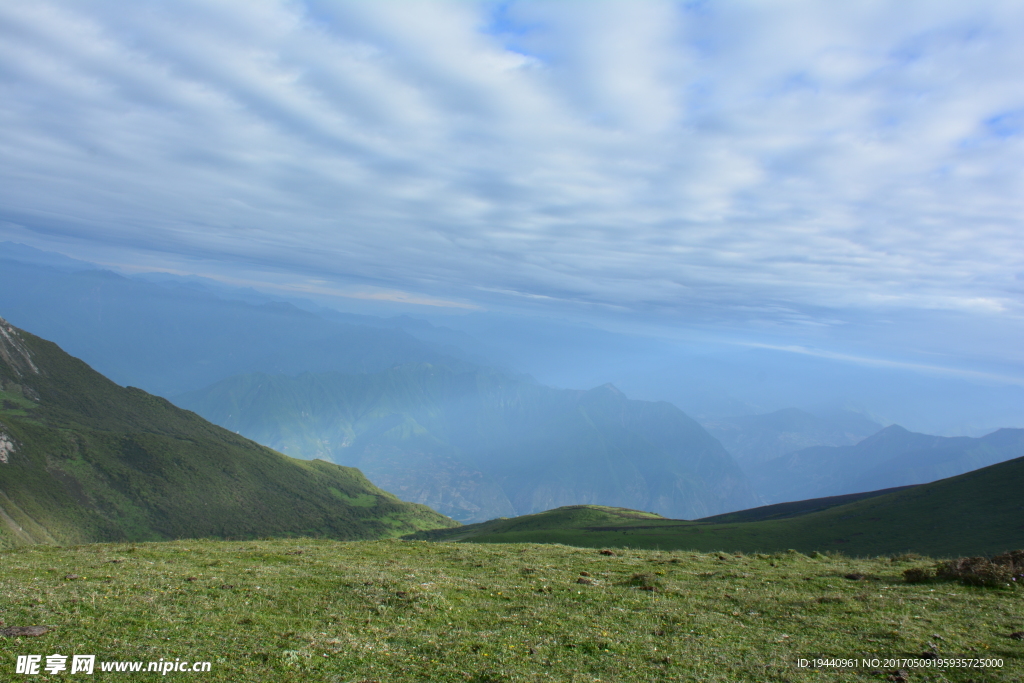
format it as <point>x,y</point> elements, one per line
<point>393,611</point>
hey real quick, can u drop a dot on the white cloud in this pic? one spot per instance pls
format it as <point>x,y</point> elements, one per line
<point>653,155</point>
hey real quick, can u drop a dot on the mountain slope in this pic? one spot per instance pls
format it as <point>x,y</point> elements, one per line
<point>83,459</point>
<point>479,444</point>
<point>892,457</point>
<point>977,513</point>
<point>795,508</point>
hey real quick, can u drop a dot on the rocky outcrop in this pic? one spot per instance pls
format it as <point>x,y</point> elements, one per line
<point>6,447</point>
<point>14,352</point>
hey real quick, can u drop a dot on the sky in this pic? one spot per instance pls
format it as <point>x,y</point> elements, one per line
<point>842,179</point>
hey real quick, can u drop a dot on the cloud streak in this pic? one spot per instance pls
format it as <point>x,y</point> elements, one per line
<point>652,156</point>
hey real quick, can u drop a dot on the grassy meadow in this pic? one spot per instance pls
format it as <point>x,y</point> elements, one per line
<point>393,611</point>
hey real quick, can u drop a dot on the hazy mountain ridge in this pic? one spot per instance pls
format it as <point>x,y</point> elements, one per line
<point>482,432</point>
<point>892,457</point>
<point>87,460</point>
<point>754,439</point>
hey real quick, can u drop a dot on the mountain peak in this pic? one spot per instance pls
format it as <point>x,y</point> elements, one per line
<point>609,388</point>
<point>893,429</point>
<point>889,435</point>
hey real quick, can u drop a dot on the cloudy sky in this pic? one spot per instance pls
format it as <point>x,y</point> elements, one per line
<point>856,168</point>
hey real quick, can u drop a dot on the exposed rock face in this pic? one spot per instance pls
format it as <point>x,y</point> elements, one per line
<point>6,447</point>
<point>14,352</point>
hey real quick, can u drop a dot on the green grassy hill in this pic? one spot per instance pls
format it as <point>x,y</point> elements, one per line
<point>83,459</point>
<point>981,512</point>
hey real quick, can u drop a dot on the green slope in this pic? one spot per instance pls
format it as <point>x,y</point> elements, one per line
<point>981,512</point>
<point>83,459</point>
<point>795,508</point>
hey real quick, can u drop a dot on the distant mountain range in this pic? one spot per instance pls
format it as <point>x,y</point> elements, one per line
<point>891,457</point>
<point>755,439</point>
<point>477,444</point>
<point>792,455</point>
<point>83,459</point>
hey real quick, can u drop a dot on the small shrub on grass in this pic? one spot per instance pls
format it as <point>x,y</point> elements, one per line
<point>1014,559</point>
<point>917,575</point>
<point>1002,570</point>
